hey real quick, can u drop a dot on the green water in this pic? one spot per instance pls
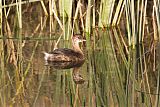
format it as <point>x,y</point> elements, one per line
<point>112,74</point>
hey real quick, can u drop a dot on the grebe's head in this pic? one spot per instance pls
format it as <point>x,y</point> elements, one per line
<point>77,38</point>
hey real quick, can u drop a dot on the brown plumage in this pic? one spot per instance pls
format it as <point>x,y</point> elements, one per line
<point>65,54</point>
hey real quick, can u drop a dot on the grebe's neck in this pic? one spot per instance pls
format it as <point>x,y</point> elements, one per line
<point>77,48</point>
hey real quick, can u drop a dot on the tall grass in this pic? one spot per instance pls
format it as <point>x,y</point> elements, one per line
<point>66,10</point>
<point>136,20</point>
<point>97,13</point>
<point>115,74</point>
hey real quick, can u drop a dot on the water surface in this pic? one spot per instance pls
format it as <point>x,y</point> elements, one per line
<point>113,73</point>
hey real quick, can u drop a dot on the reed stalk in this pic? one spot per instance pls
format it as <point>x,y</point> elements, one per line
<point>157,100</point>
<point>75,104</point>
<point>140,21</point>
<point>90,87</point>
<point>1,18</point>
<point>20,55</point>
<point>100,15</point>
<point>127,12</point>
<point>57,89</point>
<point>81,17</point>
<point>56,17</point>
<point>157,8</point>
<point>50,7</point>
<point>39,87</point>
<point>88,18</point>
<point>64,88</point>
<point>50,25</point>
<point>4,8</point>
<point>106,10</point>
<point>137,18</point>
<point>10,46</point>
<point>120,48</point>
<point>133,24</point>
<point>9,8</point>
<point>19,13</point>
<point>44,8</point>
<point>76,15</point>
<point>22,2</point>
<point>116,71</point>
<point>142,85</point>
<point>144,19</point>
<point>63,18</point>
<point>123,41</point>
<point>3,97</point>
<point>154,25</point>
<point>133,78</point>
<point>69,11</point>
<point>119,9</point>
<point>94,13</point>
<point>54,6</point>
<point>148,88</point>
<point>65,8</point>
<point>121,13</point>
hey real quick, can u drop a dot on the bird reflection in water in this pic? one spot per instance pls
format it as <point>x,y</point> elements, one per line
<point>77,77</point>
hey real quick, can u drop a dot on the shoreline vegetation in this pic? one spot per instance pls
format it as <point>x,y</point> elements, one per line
<point>135,17</point>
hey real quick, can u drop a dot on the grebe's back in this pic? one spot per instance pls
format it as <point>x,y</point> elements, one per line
<point>65,54</point>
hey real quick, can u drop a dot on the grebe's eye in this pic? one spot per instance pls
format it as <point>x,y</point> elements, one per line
<point>78,37</point>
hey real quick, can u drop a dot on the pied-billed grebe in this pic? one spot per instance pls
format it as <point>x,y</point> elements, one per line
<point>65,54</point>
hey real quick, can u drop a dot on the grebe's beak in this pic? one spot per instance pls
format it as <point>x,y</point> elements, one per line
<point>82,40</point>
